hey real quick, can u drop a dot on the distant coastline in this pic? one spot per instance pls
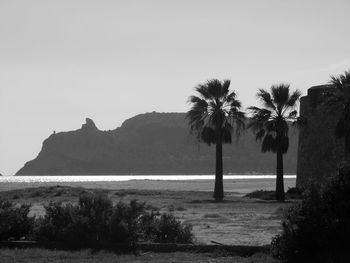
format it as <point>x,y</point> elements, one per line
<point>149,144</point>
<point>150,174</point>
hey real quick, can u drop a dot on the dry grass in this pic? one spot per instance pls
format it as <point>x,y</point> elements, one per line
<point>86,256</point>
<point>236,221</point>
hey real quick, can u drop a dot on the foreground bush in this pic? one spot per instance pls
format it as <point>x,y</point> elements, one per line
<point>95,220</point>
<point>166,229</point>
<point>318,229</point>
<point>14,221</point>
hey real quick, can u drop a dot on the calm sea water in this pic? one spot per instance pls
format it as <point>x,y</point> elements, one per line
<point>233,183</point>
<point>123,178</point>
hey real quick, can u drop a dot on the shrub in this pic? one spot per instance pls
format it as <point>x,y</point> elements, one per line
<point>125,222</point>
<point>292,193</point>
<point>59,224</point>
<point>165,228</point>
<point>262,194</point>
<point>171,230</point>
<point>83,224</point>
<point>95,220</point>
<point>317,229</point>
<point>14,220</point>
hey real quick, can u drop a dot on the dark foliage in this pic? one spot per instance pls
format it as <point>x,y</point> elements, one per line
<point>342,95</point>
<point>318,229</point>
<point>270,125</point>
<point>214,115</point>
<point>83,224</point>
<point>96,220</point>
<point>262,194</point>
<point>166,229</point>
<point>292,193</point>
<point>214,111</point>
<point>14,221</point>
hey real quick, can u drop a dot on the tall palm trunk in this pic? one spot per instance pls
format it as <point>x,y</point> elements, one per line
<point>219,185</point>
<point>279,179</point>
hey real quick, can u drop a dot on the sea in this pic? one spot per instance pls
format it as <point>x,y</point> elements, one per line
<point>240,184</point>
<point>121,178</point>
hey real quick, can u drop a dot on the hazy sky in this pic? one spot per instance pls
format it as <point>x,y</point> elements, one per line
<point>62,61</point>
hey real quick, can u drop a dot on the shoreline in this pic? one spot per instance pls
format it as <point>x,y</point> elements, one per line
<point>239,186</point>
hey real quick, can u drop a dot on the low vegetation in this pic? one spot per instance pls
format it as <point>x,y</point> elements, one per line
<point>292,193</point>
<point>236,221</point>
<point>14,220</point>
<point>93,220</point>
<point>317,229</point>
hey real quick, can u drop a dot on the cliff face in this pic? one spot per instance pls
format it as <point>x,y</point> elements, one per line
<point>151,143</point>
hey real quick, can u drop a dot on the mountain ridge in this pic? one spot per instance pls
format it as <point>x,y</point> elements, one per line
<point>148,143</point>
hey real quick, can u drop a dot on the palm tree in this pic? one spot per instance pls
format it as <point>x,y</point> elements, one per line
<point>342,85</point>
<point>270,125</point>
<point>214,115</point>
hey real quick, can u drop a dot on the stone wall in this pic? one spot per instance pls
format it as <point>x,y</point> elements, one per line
<point>319,152</point>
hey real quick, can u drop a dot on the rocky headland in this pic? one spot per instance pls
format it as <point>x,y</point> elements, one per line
<point>150,143</point>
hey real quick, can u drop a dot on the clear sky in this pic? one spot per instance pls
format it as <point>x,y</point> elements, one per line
<point>64,60</point>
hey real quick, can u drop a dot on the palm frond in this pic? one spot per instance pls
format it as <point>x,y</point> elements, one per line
<point>280,94</point>
<point>271,126</point>
<point>336,82</point>
<point>259,115</point>
<point>341,81</point>
<point>268,144</point>
<point>260,135</point>
<point>225,88</point>
<point>226,133</point>
<point>207,135</point>
<point>231,97</point>
<point>282,127</point>
<point>266,99</point>
<point>294,98</point>
<point>214,88</point>
<point>235,104</point>
<point>202,91</point>
<point>215,107</point>
<point>293,114</point>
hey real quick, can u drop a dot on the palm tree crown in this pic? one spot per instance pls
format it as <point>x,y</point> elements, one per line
<point>270,123</point>
<point>215,112</point>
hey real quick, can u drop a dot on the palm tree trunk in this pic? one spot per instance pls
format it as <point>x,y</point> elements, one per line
<point>279,179</point>
<point>219,184</point>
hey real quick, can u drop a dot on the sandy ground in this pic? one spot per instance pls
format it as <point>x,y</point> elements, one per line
<point>237,220</point>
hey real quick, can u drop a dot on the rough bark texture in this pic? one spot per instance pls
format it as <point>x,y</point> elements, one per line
<point>219,184</point>
<point>279,179</point>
